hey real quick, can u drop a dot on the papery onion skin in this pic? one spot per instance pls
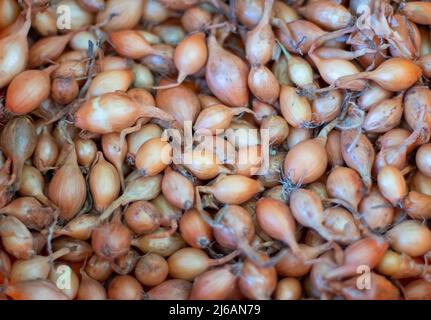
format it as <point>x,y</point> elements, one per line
<point>226,75</point>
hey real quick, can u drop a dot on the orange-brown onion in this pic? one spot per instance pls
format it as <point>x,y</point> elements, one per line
<point>257,283</point>
<point>27,90</point>
<point>288,289</point>
<point>142,217</point>
<point>300,164</point>
<point>423,161</point>
<point>30,212</point>
<point>263,84</point>
<point>392,184</point>
<point>360,156</point>
<point>195,19</point>
<point>215,284</point>
<point>16,238</point>
<point>261,40</point>
<point>234,189</point>
<point>113,112</point>
<point>79,250</point>
<point>33,184</point>
<point>189,263</point>
<point>9,12</point>
<point>164,246</point>
<point>14,50</point>
<point>190,55</point>
<point>376,211</point>
<point>294,108</point>
<point>180,102</point>
<point>418,12</point>
<point>110,81</point>
<point>35,290</point>
<point>131,44</point>
<point>80,227</point>
<point>125,288</point>
<point>195,230</point>
<point>275,219</point>
<point>395,74</point>
<point>151,269</point>
<point>111,240</point>
<point>90,289</point>
<point>177,189</point>
<point>174,289</point>
<point>120,15</point>
<point>237,227</point>
<point>86,150</point>
<point>327,14</point>
<point>367,251</point>
<point>153,156</point>
<point>381,289</point>
<point>98,268</point>
<point>104,183</point>
<point>410,237</point>
<point>226,75</point>
<point>46,152</point>
<point>418,290</point>
<point>18,140</point>
<point>67,189</point>
<point>345,184</point>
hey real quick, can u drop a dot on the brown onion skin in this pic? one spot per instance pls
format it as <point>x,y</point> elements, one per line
<point>128,14</point>
<point>178,190</point>
<point>260,40</point>
<point>238,227</point>
<point>257,283</point>
<point>125,264</point>
<point>423,159</point>
<point>86,150</point>
<point>5,266</point>
<point>298,165</point>
<point>361,156</point>
<point>418,290</point>
<point>195,19</point>
<point>35,290</point>
<point>98,268</point>
<point>16,238</point>
<point>288,289</point>
<point>29,211</point>
<point>142,217</point>
<point>104,183</point>
<point>181,102</point>
<point>163,246</point>
<point>125,288</point>
<point>79,250</point>
<point>151,269</point>
<point>111,240</point>
<point>327,14</point>
<point>67,189</point>
<point>18,141</point>
<point>410,237</point>
<point>27,91</point>
<point>215,284</point>
<point>381,289</point>
<point>46,152</point>
<point>174,289</point>
<point>118,110</point>
<point>195,230</point>
<point>226,75</point>
<point>15,48</point>
<point>345,184</point>
<point>376,210</point>
<point>90,289</point>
